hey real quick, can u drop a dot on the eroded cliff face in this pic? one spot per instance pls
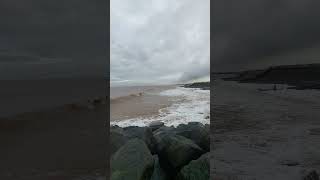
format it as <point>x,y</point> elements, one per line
<point>303,76</point>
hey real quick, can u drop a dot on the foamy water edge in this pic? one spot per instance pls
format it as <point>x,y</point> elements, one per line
<point>190,105</point>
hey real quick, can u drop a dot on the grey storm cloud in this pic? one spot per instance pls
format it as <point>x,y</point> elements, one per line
<point>264,32</point>
<point>159,41</point>
<point>71,34</point>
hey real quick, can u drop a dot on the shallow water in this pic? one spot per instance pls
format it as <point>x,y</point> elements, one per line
<point>123,91</point>
<point>20,96</point>
<point>183,105</point>
<point>134,102</point>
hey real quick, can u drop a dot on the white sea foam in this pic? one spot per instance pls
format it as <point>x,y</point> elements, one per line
<point>190,105</point>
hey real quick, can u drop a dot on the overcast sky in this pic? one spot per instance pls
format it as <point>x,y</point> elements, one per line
<point>53,38</point>
<point>155,41</point>
<point>159,41</point>
<point>252,34</point>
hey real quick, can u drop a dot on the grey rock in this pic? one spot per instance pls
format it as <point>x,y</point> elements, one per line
<point>156,125</point>
<point>117,138</point>
<point>176,150</point>
<point>143,133</point>
<point>133,161</point>
<point>158,171</point>
<point>196,170</point>
<point>197,132</point>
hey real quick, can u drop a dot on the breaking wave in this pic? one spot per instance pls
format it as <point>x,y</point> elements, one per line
<point>127,97</point>
<point>190,105</point>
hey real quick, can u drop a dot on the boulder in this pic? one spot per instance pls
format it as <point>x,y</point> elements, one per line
<point>158,171</point>
<point>196,170</point>
<point>176,150</point>
<point>117,138</point>
<point>143,133</point>
<point>207,142</point>
<point>165,129</point>
<point>132,161</point>
<point>156,125</point>
<point>197,132</point>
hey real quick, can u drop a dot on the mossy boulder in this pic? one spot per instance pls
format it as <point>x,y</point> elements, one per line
<point>143,133</point>
<point>176,150</point>
<point>197,132</point>
<point>196,170</point>
<point>158,171</point>
<point>132,161</point>
<point>156,125</point>
<point>117,138</point>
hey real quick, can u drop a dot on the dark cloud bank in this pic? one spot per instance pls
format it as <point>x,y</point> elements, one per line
<point>53,38</point>
<point>258,33</point>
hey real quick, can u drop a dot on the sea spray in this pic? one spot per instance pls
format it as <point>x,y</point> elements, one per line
<point>190,105</point>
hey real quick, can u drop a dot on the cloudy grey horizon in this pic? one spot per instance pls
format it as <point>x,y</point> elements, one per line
<point>261,33</point>
<point>159,41</point>
<point>53,39</point>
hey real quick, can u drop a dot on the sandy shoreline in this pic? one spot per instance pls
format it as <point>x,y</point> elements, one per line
<point>62,136</point>
<point>263,135</point>
<point>54,140</point>
<point>172,105</point>
<point>133,102</point>
<point>19,96</point>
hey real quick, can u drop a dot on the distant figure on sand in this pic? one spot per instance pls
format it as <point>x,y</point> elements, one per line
<point>274,87</point>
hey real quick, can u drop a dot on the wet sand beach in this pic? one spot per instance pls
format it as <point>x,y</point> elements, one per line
<point>19,96</point>
<point>137,101</point>
<point>54,140</point>
<point>264,134</point>
<point>172,105</point>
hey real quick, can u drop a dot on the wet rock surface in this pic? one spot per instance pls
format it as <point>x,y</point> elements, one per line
<point>132,161</point>
<point>158,171</point>
<point>156,125</point>
<point>201,85</point>
<point>175,150</point>
<point>197,132</point>
<point>196,170</point>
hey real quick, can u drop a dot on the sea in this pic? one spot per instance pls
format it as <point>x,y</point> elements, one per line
<point>172,105</point>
